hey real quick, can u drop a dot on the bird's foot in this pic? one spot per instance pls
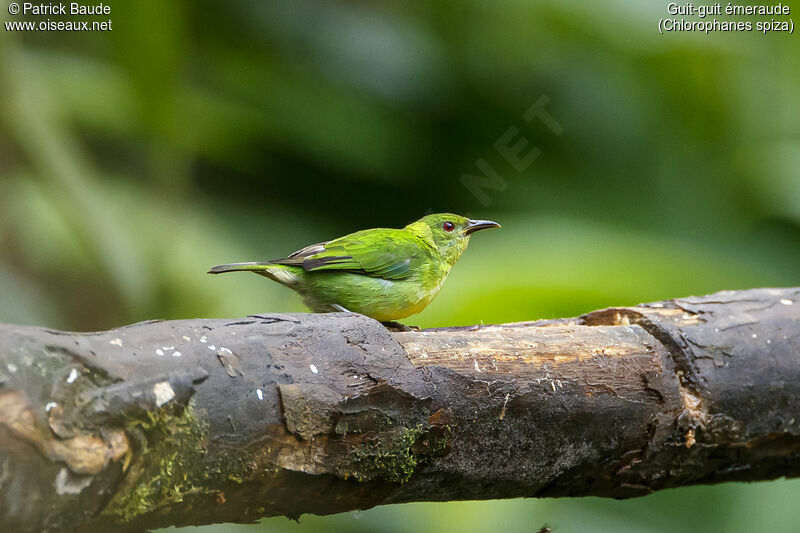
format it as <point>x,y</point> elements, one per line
<point>397,326</point>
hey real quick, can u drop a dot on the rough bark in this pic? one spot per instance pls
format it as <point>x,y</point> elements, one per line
<point>202,421</point>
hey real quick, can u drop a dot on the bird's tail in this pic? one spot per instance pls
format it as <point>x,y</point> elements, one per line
<point>281,273</point>
<point>239,267</point>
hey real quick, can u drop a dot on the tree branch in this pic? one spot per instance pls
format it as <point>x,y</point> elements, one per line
<point>201,421</point>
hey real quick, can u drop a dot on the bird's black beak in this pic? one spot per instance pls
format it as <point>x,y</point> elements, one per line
<point>477,225</point>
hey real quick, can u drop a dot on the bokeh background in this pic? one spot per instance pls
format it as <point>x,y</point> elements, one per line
<point>197,133</point>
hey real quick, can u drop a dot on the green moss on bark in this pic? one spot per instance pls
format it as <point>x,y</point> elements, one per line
<point>172,449</point>
<point>171,464</point>
<point>389,457</point>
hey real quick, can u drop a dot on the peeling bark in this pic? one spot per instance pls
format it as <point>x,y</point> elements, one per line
<point>202,421</point>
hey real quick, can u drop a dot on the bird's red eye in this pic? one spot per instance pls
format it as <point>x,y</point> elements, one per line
<point>449,226</point>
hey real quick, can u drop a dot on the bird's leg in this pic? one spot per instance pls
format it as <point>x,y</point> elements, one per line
<point>397,326</point>
<point>390,325</point>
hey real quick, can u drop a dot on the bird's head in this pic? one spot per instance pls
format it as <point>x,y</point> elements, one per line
<point>449,233</point>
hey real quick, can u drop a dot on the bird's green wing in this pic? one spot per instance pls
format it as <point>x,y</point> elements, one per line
<point>381,253</point>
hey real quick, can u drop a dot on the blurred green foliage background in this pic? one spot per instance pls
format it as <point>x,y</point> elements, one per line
<point>197,133</point>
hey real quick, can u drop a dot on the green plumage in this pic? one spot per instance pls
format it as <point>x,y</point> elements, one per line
<point>383,273</point>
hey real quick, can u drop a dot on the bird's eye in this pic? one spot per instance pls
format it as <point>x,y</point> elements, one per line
<point>449,226</point>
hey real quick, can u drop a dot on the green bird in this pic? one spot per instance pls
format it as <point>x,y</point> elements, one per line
<point>384,273</point>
